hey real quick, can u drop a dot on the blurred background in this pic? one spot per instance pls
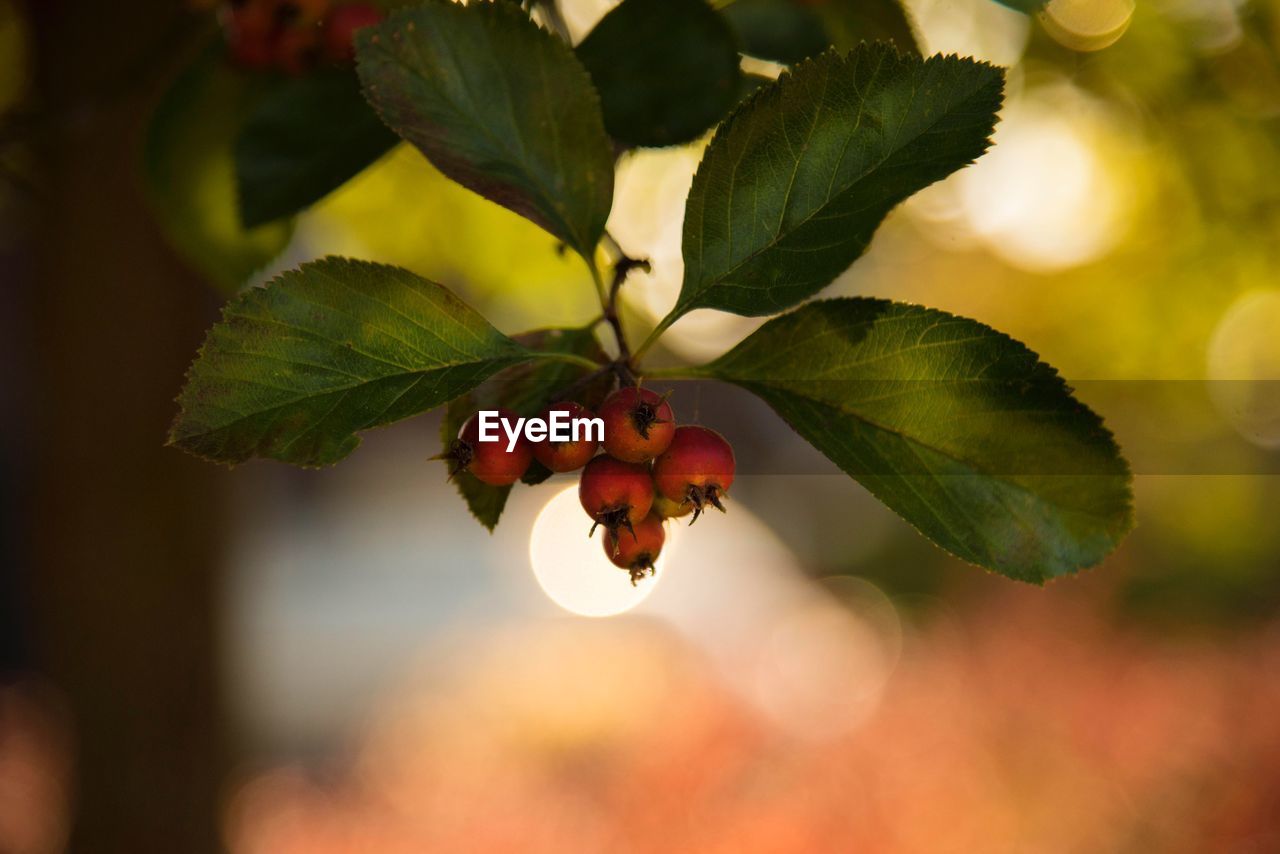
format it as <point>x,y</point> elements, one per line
<point>268,660</point>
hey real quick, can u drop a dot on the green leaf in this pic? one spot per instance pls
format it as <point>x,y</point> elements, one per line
<point>189,172</point>
<point>296,368</point>
<point>779,30</point>
<point>303,141</point>
<point>958,428</point>
<point>799,177</point>
<point>849,22</point>
<point>749,84</point>
<point>498,105</point>
<point>666,70</point>
<point>485,502</point>
<point>789,31</point>
<point>525,389</point>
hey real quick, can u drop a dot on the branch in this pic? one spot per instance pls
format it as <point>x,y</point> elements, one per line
<point>621,269</point>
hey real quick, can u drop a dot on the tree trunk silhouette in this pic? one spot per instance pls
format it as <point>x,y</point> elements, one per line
<point>125,534</point>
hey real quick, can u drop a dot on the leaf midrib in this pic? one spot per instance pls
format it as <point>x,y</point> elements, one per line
<point>436,364</point>
<point>548,204</point>
<point>912,441</point>
<point>420,374</point>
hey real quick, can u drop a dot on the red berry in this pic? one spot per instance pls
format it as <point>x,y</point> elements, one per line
<point>615,494</point>
<point>341,26</point>
<point>248,20</point>
<point>637,551</point>
<point>251,35</point>
<point>257,54</point>
<point>565,456</point>
<point>638,424</point>
<point>668,509</point>
<point>490,462</point>
<point>696,469</point>
<point>297,50</point>
<point>280,33</point>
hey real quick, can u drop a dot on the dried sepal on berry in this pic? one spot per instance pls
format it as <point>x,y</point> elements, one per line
<point>636,553</point>
<point>696,470</point>
<point>615,494</point>
<point>638,424</point>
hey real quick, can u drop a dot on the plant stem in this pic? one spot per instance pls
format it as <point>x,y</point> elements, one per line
<point>656,334</point>
<point>599,283</point>
<point>611,314</point>
<point>625,365</point>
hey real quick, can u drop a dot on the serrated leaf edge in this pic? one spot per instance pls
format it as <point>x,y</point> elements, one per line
<point>777,88</point>
<point>173,440</point>
<point>1047,373</point>
<point>513,14</point>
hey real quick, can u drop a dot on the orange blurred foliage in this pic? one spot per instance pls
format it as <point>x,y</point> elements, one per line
<point>1027,725</point>
<point>35,771</point>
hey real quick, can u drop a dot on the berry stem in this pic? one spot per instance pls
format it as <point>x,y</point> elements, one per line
<point>620,271</point>
<point>624,365</point>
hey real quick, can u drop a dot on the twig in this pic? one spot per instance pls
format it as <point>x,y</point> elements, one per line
<point>625,264</point>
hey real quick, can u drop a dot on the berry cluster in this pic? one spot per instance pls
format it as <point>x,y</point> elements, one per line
<point>651,470</point>
<point>294,36</point>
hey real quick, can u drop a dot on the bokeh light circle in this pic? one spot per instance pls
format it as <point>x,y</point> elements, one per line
<point>648,220</point>
<point>977,28</point>
<point>1054,192</point>
<point>1087,25</point>
<point>1244,367</point>
<point>572,569</point>
<point>827,659</point>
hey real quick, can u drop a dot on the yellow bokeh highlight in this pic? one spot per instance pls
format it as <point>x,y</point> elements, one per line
<point>403,211</point>
<point>1087,25</point>
<point>1244,366</point>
